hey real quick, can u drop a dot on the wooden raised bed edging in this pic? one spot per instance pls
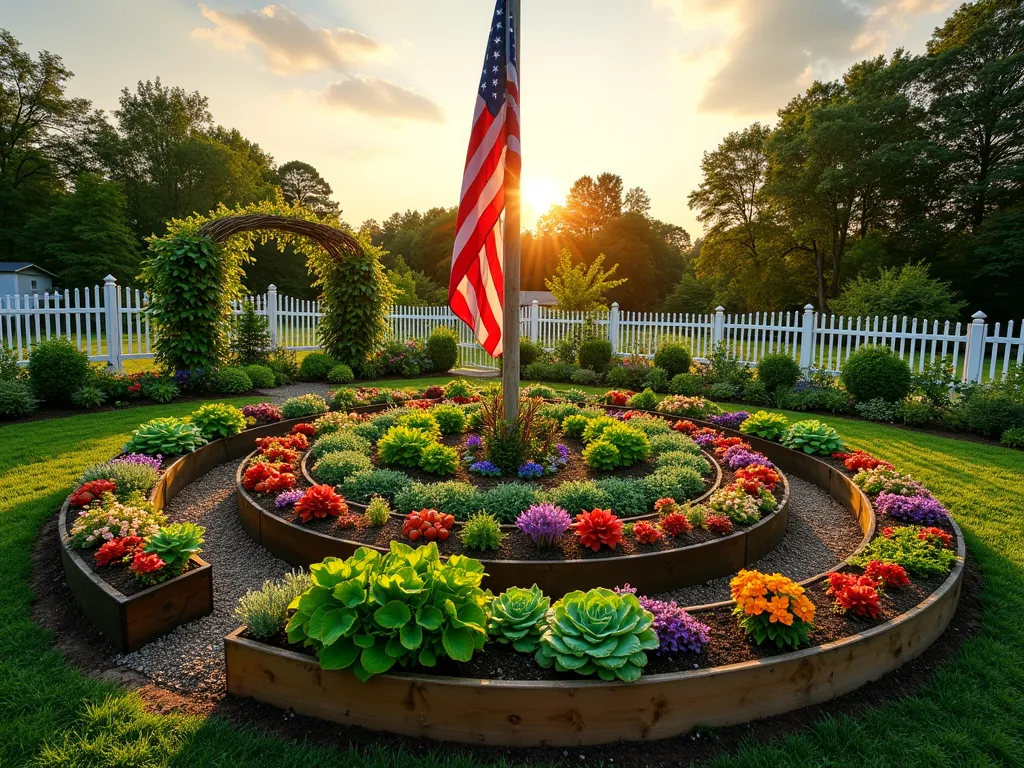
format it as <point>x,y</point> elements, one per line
<point>131,621</point>
<point>588,712</point>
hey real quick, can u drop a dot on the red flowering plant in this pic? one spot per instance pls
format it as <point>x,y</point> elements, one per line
<point>723,444</point>
<point>117,550</point>
<point>434,392</point>
<point>854,593</point>
<point>146,566</point>
<point>267,477</point>
<point>306,430</point>
<point>598,528</point>
<point>666,506</point>
<point>720,525</point>
<point>685,426</point>
<point>675,524</point>
<point>935,534</point>
<point>887,574</point>
<point>888,532</point>
<point>861,460</point>
<point>318,502</point>
<point>89,492</point>
<point>615,397</point>
<point>646,532</point>
<point>754,477</point>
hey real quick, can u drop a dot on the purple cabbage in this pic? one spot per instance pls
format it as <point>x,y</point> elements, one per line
<point>921,508</point>
<point>676,629</point>
<point>730,420</point>
<point>544,523</point>
<point>738,457</point>
<point>288,498</point>
<point>139,458</point>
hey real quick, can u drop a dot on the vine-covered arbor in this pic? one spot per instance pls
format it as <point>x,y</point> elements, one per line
<point>194,273</point>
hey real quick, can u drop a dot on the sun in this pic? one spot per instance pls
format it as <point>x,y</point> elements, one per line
<point>540,194</point>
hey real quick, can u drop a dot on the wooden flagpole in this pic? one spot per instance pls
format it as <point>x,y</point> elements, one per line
<point>510,328</point>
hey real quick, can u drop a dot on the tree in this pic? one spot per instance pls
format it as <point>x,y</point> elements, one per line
<point>637,201</point>
<point>589,205</point>
<point>906,291</point>
<point>413,288</point>
<point>302,183</point>
<point>577,288</point>
<point>84,236</point>
<point>691,295</point>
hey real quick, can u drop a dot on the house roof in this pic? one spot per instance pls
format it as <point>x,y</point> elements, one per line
<point>20,266</point>
<point>543,298</point>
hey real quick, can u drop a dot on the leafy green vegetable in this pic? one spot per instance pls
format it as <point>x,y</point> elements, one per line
<point>517,617</point>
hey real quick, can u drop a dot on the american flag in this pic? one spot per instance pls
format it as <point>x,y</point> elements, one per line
<point>476,292</point>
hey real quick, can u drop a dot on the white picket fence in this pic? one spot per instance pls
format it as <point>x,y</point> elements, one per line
<point>110,324</point>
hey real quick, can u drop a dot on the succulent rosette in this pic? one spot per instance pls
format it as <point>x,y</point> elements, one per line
<point>598,632</point>
<point>517,616</point>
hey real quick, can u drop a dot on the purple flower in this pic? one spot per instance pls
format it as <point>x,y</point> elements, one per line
<point>262,412</point>
<point>544,523</point>
<point>705,440</point>
<point>288,498</point>
<point>474,441</point>
<point>139,458</point>
<point>730,420</point>
<point>563,452</point>
<point>485,468</point>
<point>737,457</point>
<point>921,508</point>
<point>676,629</point>
<point>530,470</point>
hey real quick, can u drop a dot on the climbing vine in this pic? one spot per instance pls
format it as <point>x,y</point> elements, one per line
<point>195,271</point>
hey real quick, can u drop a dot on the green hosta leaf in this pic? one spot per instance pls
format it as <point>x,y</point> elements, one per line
<point>393,615</point>
<point>375,659</point>
<point>429,618</point>
<point>336,624</point>
<point>458,643</point>
<point>315,626</point>
<point>394,648</point>
<point>629,673</point>
<point>411,636</point>
<point>339,655</point>
<point>364,641</point>
<point>351,593</point>
<point>427,657</point>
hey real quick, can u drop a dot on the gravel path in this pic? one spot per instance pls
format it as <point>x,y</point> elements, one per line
<point>191,658</point>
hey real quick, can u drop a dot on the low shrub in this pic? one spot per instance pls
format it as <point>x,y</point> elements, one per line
<point>168,436</point>
<point>602,456</point>
<point>920,554</point>
<point>878,410</point>
<point>673,442</point>
<point>261,376</point>
<point>596,355</point>
<point>264,611</point>
<point>508,500</point>
<point>586,377</point>
<point>439,460</point>
<point>232,381</point>
<point>160,389</point>
<point>458,388</point>
<point>340,374</point>
<point>722,390</point>
<point>595,427</point>
<point>316,366</point>
<point>673,358</point>
<point>217,420</point>
<point>517,616</point>
<point>657,380</point>
<point>16,399</point>
<point>404,446</point>
<point>442,348</point>
<point>386,483</point>
<point>285,365</point>
<point>336,467</point>
<point>303,407</point>
<point>688,384</point>
<point>583,626</point>
<point>128,478</point>
<point>342,440</point>
<point>576,496</point>
<point>679,483</point>
<point>450,419</point>
<point>916,412</point>
<point>417,419</point>
<point>574,425</point>
<point>529,352</point>
<point>481,532</point>
<point>813,437</point>
<point>633,445</point>
<point>646,400</point>
<point>626,498</point>
<point>990,413</point>
<point>778,370</point>
<point>57,370</point>
<point>772,608</point>
<point>683,459</point>
<point>874,372</point>
<point>651,425</point>
<point>451,497</point>
<point>89,397</point>
<point>769,426</point>
<point>1013,437</point>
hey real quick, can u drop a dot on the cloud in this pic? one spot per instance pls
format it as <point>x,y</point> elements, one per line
<point>289,45</point>
<point>766,51</point>
<point>382,98</point>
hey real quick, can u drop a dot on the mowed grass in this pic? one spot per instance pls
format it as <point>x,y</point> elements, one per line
<point>971,713</point>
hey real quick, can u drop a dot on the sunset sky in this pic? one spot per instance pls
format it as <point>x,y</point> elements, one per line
<point>378,94</point>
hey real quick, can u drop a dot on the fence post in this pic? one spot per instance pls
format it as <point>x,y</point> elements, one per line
<point>272,314</point>
<point>976,333</point>
<point>807,338</point>
<point>613,327</point>
<point>112,310</point>
<point>718,328</point>
<point>534,321</point>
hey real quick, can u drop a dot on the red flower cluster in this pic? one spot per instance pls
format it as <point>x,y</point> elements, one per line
<point>306,430</point>
<point>423,405</point>
<point>675,524</point>
<point>685,426</point>
<point>859,460</point>
<point>434,392</point>
<point>887,574</point>
<point>723,444</point>
<point>90,492</point>
<point>647,533</point>
<point>616,397</point>
<point>854,593</point>
<point>598,528</point>
<point>888,532</point>
<point>145,563</point>
<point>429,525</point>
<point>666,506</point>
<point>460,400</point>
<point>320,501</point>
<point>718,524</point>
<point>283,449</point>
<point>935,534</point>
<point>755,477</point>
<point>265,477</point>
<point>116,550</point>
<point>631,415</point>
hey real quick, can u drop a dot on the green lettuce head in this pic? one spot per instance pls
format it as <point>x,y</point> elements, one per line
<point>517,617</point>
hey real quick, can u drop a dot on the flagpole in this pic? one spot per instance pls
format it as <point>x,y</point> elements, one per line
<point>510,327</point>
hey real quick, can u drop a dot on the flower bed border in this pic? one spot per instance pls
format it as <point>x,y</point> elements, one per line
<point>131,621</point>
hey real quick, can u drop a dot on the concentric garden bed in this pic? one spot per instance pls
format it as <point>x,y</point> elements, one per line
<point>501,697</point>
<point>693,558</point>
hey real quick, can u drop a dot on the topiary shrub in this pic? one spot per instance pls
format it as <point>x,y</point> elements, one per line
<point>16,399</point>
<point>57,370</point>
<point>596,354</point>
<point>250,342</point>
<point>217,420</point>
<point>261,376</point>
<point>336,467</point>
<point>316,366</point>
<point>340,374</point>
<point>688,384</point>
<point>876,372</point>
<point>443,349</point>
<point>778,370</point>
<point>674,359</point>
<point>232,381</point>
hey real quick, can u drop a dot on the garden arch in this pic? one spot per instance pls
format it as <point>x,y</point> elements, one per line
<point>194,273</point>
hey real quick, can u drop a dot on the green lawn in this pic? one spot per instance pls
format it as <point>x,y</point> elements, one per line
<point>971,713</point>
